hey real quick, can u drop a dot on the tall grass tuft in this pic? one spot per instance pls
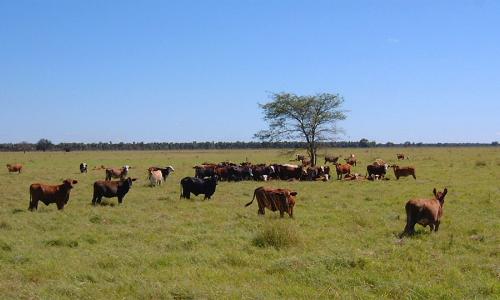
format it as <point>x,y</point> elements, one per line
<point>277,234</point>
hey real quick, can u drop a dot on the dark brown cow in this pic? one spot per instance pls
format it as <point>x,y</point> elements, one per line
<point>110,189</point>
<point>14,168</point>
<point>424,212</point>
<point>282,200</point>
<point>342,169</point>
<point>332,159</point>
<point>58,194</point>
<point>400,156</point>
<point>403,171</point>
<point>117,173</point>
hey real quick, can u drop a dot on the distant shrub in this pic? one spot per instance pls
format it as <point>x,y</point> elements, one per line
<point>278,235</point>
<point>480,163</point>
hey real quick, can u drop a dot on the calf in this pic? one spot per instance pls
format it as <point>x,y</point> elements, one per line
<point>14,168</point>
<point>342,169</point>
<point>282,200</point>
<point>110,189</point>
<point>205,186</point>
<point>58,194</point>
<point>424,212</point>
<point>117,173</point>
<point>83,167</point>
<point>403,171</point>
<point>155,177</point>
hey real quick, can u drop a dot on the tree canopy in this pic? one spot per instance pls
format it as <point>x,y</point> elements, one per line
<point>312,119</point>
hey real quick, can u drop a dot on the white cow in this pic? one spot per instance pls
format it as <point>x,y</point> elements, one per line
<point>155,177</point>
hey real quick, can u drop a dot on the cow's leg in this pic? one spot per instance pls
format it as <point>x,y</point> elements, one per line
<point>431,226</point>
<point>120,200</point>
<point>414,177</point>
<point>282,213</point>
<point>437,226</point>
<point>60,205</point>
<point>290,213</point>
<point>33,204</point>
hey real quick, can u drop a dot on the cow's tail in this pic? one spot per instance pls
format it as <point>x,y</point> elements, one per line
<point>181,191</point>
<point>31,201</point>
<point>254,193</point>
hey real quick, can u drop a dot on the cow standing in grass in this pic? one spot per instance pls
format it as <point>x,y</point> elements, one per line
<point>14,168</point>
<point>342,169</point>
<point>110,189</point>
<point>403,171</point>
<point>117,173</point>
<point>58,194</point>
<point>424,212</point>
<point>282,200</point>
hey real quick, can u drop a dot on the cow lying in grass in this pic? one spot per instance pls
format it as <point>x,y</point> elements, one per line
<point>424,212</point>
<point>282,200</point>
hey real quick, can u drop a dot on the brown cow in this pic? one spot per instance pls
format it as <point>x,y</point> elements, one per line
<point>58,194</point>
<point>274,199</point>
<point>342,169</point>
<point>14,168</point>
<point>351,160</point>
<point>117,173</point>
<point>401,156</point>
<point>403,171</point>
<point>424,212</point>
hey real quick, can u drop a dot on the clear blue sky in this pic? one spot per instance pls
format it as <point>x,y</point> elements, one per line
<point>423,71</point>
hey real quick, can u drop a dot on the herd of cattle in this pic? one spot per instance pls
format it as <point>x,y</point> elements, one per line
<point>418,211</point>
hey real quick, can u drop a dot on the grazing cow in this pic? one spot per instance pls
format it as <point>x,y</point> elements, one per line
<point>376,170</point>
<point>110,189</point>
<point>117,173</point>
<point>342,169</point>
<point>403,171</point>
<point>155,177</point>
<point>424,212</point>
<point>83,167</point>
<point>14,168</point>
<point>332,159</point>
<point>197,186</point>
<point>282,200</point>
<point>164,171</point>
<point>58,194</point>
<point>400,156</point>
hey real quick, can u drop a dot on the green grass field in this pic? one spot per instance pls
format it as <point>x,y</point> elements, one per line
<point>342,243</point>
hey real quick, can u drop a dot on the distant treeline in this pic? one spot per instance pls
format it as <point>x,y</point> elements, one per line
<point>46,145</point>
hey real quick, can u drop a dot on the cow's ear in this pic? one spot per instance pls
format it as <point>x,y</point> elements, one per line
<point>434,192</point>
<point>134,179</point>
<point>293,193</point>
<point>445,192</point>
<point>75,181</point>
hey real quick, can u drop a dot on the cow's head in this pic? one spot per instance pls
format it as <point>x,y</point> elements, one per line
<point>440,195</point>
<point>68,183</point>
<point>290,200</point>
<point>126,168</point>
<point>170,168</point>
<point>129,181</point>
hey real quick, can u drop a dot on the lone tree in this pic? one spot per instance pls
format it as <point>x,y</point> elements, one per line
<point>44,144</point>
<point>309,118</point>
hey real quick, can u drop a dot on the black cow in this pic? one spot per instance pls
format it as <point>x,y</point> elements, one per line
<point>379,170</point>
<point>238,173</point>
<point>204,171</point>
<point>263,172</point>
<point>205,186</point>
<point>83,167</point>
<point>111,189</point>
